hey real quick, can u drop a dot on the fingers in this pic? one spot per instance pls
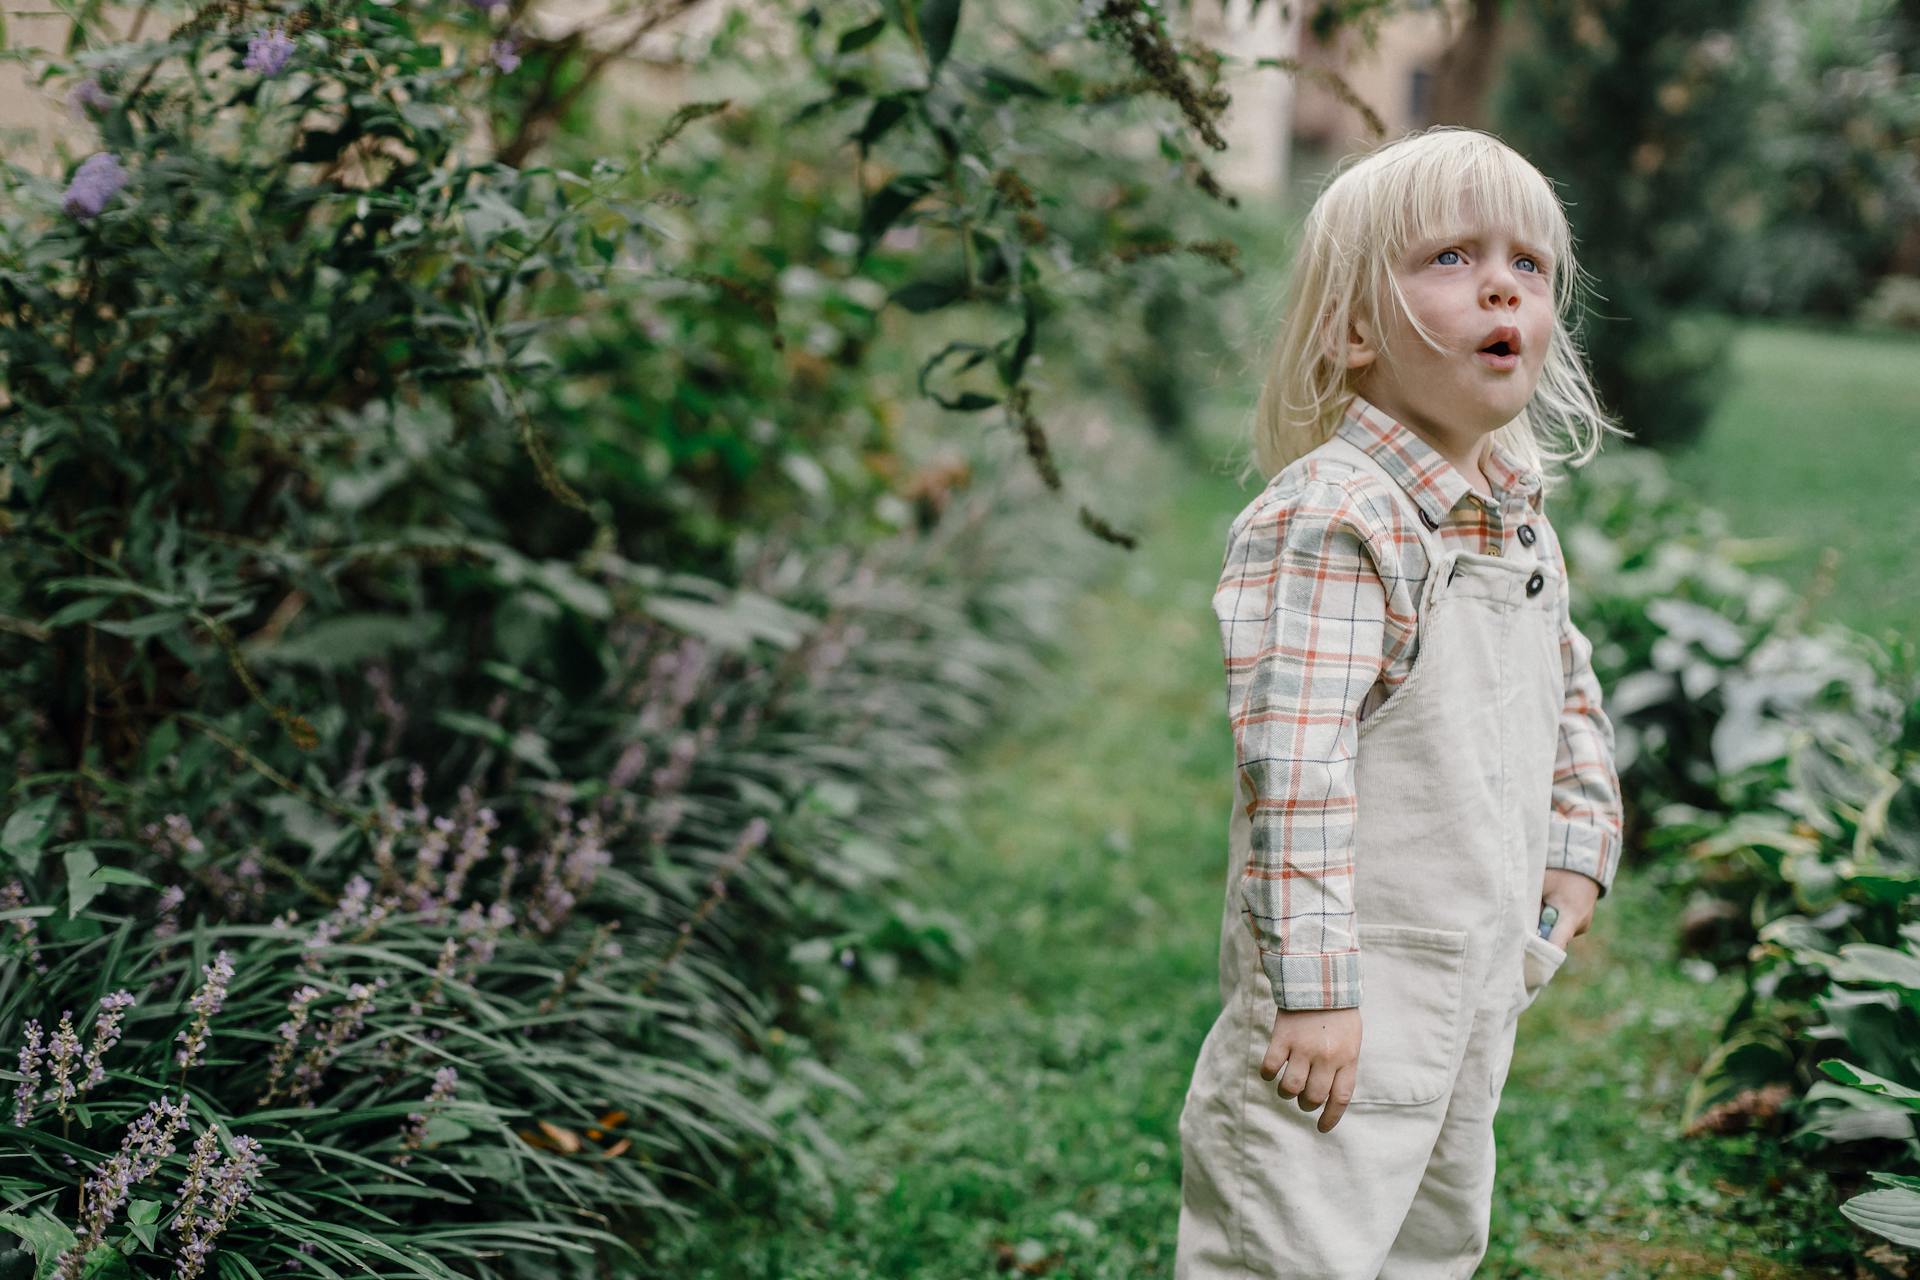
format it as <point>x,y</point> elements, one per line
<point>1288,1062</point>
<point>1312,1056</point>
<point>1313,1085</point>
<point>1294,1079</point>
<point>1338,1097</point>
<point>1319,1084</point>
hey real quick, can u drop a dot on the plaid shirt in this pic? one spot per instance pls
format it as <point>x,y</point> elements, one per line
<point>1317,607</point>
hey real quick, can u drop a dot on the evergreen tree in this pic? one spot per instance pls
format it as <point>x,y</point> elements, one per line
<point>1635,109</point>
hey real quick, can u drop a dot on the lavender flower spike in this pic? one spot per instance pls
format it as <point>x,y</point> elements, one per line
<point>505,54</point>
<point>199,1169</point>
<point>106,1034</point>
<point>205,1003</point>
<point>149,1141</point>
<point>414,1133</point>
<point>232,1183</point>
<point>95,182</point>
<point>26,1094</point>
<point>269,51</point>
<point>62,1056</point>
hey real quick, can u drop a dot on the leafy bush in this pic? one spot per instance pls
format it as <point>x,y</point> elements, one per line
<point>1836,181</point>
<point>343,451</point>
<point>1774,768</point>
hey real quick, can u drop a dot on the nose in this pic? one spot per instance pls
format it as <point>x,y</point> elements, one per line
<point>1502,289</point>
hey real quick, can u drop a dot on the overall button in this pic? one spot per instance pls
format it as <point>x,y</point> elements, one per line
<point>1535,583</point>
<point>1526,535</point>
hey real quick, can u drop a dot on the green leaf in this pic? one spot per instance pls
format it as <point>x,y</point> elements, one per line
<point>939,21</point>
<point>887,204</point>
<point>1893,1213</point>
<point>1861,1078</point>
<point>886,113</point>
<point>1751,1057</point>
<point>46,1237</point>
<point>441,1130</point>
<point>523,745</point>
<point>860,37</point>
<point>106,1262</point>
<point>143,1219</point>
<point>79,611</point>
<point>1004,84</point>
<point>160,745</point>
<point>120,875</point>
<point>151,624</point>
<point>27,830</point>
<point>350,639</point>
<point>1870,962</point>
<point>82,888</point>
<point>927,295</point>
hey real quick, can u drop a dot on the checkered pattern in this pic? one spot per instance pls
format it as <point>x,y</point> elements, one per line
<point>1317,605</point>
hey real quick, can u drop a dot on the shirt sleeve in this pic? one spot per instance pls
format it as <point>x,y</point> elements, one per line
<point>1302,610</point>
<point>1584,829</point>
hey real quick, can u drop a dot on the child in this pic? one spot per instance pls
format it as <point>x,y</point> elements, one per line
<point>1422,763</point>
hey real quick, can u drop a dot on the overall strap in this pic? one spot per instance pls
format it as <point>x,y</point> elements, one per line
<point>1340,447</point>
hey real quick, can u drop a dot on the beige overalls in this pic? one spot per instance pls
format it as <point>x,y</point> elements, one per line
<point>1454,778</point>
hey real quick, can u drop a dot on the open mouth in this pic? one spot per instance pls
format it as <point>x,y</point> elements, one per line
<point>1502,350</point>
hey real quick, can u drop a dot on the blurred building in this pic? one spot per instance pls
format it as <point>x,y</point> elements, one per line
<point>1430,63</point>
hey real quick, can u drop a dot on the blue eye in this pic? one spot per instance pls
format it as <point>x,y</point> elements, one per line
<point>1442,259</point>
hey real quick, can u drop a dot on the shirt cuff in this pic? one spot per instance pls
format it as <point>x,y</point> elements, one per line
<point>1592,851</point>
<point>1313,980</point>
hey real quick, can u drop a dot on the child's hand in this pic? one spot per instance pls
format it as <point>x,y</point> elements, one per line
<point>1320,1049</point>
<point>1574,893</point>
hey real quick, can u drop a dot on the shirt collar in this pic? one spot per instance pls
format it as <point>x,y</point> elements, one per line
<point>1435,485</point>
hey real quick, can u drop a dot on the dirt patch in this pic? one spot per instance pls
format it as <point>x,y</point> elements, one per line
<point>1600,1256</point>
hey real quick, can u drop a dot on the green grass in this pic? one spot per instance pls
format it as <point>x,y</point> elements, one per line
<point>1818,441</point>
<point>1024,1114</point>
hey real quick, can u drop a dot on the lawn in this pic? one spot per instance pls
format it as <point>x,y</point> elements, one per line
<point>1817,441</point>
<point>1023,1116</point>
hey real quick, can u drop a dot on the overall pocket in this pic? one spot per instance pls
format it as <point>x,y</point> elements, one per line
<point>1412,981</point>
<point>1539,961</point>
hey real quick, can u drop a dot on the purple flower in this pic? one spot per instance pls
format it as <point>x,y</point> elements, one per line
<point>269,51</point>
<point>414,1133</point>
<point>26,1094</point>
<point>180,831</point>
<point>488,5</point>
<point>231,1184</point>
<point>87,96</point>
<point>298,1007</point>
<point>346,1022</point>
<point>505,53</point>
<point>474,842</point>
<point>61,1056</point>
<point>205,1003</point>
<point>199,1167</point>
<point>106,1034</point>
<point>149,1141</point>
<point>94,183</point>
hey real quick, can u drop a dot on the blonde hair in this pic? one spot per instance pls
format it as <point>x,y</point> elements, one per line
<point>1376,206</point>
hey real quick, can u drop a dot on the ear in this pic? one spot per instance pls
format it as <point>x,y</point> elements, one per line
<point>1361,348</point>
